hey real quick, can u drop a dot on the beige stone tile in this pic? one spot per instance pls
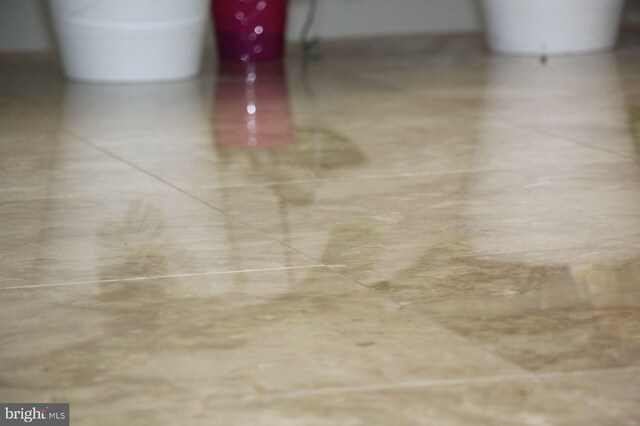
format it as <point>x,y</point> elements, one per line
<point>189,133</point>
<point>489,203</point>
<point>108,111</point>
<point>584,99</point>
<point>137,344</point>
<point>590,99</point>
<point>608,128</point>
<point>95,238</point>
<point>190,147</point>
<point>353,147</point>
<point>381,225</point>
<point>72,213</point>
<point>598,399</point>
<point>111,115</point>
<point>317,123</point>
<point>59,165</point>
<point>322,124</point>
<point>545,311</point>
<point>472,250</point>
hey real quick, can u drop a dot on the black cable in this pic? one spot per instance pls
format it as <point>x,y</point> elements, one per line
<point>309,46</point>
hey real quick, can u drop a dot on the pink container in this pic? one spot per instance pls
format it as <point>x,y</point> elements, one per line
<point>250,30</point>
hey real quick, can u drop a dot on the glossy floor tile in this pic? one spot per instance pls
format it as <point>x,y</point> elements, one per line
<point>403,231</point>
<point>474,213</point>
<point>220,335</point>
<point>352,147</point>
<point>598,399</point>
<point>65,167</point>
<point>55,241</point>
<point>545,311</point>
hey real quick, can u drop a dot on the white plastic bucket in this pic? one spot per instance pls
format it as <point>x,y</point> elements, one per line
<point>551,27</point>
<point>125,41</point>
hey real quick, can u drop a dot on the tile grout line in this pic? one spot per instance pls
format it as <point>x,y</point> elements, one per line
<point>425,384</point>
<point>188,194</point>
<point>159,277</point>
<point>434,322</point>
<point>169,184</point>
<point>431,320</point>
<point>565,138</point>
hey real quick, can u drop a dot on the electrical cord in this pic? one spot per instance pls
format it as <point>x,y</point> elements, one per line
<point>309,46</point>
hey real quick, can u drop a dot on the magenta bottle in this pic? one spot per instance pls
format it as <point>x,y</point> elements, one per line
<point>250,30</point>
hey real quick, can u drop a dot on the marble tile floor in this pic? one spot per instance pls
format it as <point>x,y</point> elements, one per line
<point>417,233</point>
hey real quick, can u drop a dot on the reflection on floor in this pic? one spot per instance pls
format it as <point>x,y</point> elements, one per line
<point>411,232</point>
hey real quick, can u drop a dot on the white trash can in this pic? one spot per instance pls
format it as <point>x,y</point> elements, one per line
<point>129,41</point>
<point>551,27</point>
